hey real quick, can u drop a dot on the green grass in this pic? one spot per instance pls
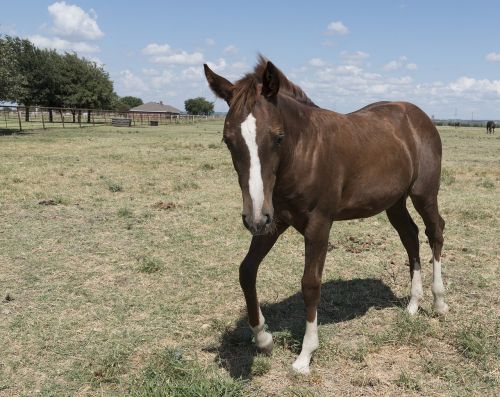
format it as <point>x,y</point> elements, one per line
<point>125,280</point>
<point>406,381</point>
<point>261,365</point>
<point>149,265</point>
<point>171,375</point>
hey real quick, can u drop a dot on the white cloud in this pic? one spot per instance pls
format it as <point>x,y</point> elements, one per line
<point>131,83</point>
<point>97,61</point>
<point>180,58</point>
<point>401,62</point>
<point>156,49</point>
<point>217,66</point>
<point>469,85</point>
<point>239,65</point>
<point>337,27</point>
<point>316,62</point>
<point>59,44</point>
<point>230,49</point>
<point>405,80</point>
<point>493,57</point>
<point>193,73</point>
<point>354,58</point>
<point>150,72</point>
<point>210,42</point>
<point>71,21</point>
<point>164,79</point>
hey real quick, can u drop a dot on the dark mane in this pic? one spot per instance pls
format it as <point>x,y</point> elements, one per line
<point>245,90</point>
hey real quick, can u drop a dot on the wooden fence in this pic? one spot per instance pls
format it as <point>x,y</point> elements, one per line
<point>20,118</point>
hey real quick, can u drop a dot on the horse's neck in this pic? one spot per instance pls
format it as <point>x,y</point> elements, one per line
<point>303,137</point>
<point>306,126</point>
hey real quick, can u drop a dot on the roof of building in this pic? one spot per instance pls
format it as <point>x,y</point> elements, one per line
<point>154,107</point>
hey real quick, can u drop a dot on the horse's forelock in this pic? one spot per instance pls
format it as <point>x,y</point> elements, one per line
<point>245,90</point>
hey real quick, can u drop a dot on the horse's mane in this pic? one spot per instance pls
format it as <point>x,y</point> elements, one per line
<point>245,89</point>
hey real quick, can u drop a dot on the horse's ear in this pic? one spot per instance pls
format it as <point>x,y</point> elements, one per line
<point>270,81</point>
<point>219,85</point>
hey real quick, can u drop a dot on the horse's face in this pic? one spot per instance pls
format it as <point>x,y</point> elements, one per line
<point>254,138</point>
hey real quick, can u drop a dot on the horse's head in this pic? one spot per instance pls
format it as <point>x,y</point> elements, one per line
<point>253,133</point>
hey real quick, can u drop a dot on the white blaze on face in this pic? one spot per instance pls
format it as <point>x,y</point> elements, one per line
<point>255,184</point>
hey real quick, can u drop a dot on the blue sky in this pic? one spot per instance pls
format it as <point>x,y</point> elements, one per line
<point>442,55</point>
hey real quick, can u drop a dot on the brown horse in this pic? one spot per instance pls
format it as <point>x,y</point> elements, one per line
<point>302,166</point>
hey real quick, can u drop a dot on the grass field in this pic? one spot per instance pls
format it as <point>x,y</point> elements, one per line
<point>119,254</point>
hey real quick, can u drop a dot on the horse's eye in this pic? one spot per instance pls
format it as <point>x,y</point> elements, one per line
<point>279,138</point>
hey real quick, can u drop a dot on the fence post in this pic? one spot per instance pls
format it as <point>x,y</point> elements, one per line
<point>43,121</point>
<point>5,116</point>
<point>62,117</point>
<point>19,118</point>
<point>93,121</point>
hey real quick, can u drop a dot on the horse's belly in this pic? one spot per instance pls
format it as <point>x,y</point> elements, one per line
<point>367,201</point>
<point>362,211</point>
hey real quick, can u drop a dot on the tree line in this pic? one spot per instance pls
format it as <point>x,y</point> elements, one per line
<point>31,76</point>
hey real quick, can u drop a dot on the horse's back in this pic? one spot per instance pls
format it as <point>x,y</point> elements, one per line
<point>401,130</point>
<point>404,117</point>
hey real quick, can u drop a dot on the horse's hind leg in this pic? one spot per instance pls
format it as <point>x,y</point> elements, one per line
<point>408,233</point>
<point>427,207</point>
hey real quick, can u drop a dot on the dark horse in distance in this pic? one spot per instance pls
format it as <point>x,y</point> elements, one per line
<point>490,127</point>
<point>302,166</point>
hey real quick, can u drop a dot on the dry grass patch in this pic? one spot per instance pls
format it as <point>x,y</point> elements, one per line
<point>129,284</point>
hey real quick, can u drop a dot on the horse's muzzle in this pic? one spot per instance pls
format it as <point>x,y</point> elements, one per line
<point>258,227</point>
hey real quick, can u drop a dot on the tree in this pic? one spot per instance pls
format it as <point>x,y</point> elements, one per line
<point>199,105</point>
<point>31,76</point>
<point>87,85</point>
<point>127,102</point>
<point>10,77</point>
<point>25,61</point>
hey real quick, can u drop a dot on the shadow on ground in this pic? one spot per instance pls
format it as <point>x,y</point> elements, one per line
<point>341,300</point>
<point>7,132</point>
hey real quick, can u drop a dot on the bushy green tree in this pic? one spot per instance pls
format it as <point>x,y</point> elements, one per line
<point>199,105</point>
<point>25,61</point>
<point>127,102</point>
<point>86,85</point>
<point>11,79</point>
<point>30,76</point>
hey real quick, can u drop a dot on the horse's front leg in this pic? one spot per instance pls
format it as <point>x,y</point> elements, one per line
<point>316,244</point>
<point>259,248</point>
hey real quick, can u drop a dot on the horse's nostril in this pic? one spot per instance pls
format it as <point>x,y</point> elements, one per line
<point>268,219</point>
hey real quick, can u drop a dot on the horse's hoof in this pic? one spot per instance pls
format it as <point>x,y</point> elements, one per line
<point>441,308</point>
<point>301,368</point>
<point>412,308</point>
<point>266,347</point>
